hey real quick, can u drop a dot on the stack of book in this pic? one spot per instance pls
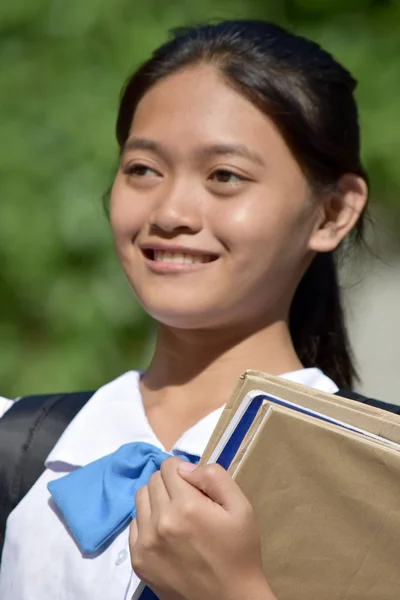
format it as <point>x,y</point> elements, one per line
<point>323,475</point>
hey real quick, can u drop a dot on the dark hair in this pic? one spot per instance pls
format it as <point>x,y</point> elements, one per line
<point>309,96</point>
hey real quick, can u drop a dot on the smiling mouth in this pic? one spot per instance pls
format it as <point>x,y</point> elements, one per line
<point>160,256</point>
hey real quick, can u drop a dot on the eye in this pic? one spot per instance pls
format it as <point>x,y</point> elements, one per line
<point>226,176</point>
<point>139,170</point>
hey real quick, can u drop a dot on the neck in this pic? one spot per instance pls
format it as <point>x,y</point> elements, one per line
<point>204,366</point>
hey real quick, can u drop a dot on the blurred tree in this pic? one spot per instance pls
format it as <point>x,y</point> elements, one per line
<point>68,318</point>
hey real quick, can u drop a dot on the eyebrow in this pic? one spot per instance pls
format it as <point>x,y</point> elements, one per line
<point>204,152</point>
<point>233,150</point>
<point>143,144</point>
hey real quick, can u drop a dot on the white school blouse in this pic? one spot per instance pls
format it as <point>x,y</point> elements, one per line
<point>40,560</point>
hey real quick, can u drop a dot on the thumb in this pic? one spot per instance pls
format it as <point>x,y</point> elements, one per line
<point>213,481</point>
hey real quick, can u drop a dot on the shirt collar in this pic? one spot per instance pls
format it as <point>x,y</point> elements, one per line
<point>194,441</point>
<point>312,377</point>
<point>115,416</point>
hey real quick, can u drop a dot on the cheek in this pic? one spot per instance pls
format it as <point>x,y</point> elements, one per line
<point>125,212</point>
<point>268,230</point>
<point>251,220</point>
<point>117,207</point>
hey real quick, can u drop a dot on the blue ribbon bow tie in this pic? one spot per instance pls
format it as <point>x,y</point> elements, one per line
<point>97,501</point>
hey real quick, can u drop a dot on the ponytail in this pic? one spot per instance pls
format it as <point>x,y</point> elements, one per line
<point>317,323</point>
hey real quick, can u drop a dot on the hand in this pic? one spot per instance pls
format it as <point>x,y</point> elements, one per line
<point>195,536</point>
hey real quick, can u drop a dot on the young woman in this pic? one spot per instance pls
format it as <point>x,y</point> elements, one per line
<point>239,178</point>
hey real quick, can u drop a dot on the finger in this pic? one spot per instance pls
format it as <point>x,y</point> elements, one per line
<point>143,507</point>
<point>175,485</point>
<point>133,533</point>
<point>158,494</point>
<point>215,482</point>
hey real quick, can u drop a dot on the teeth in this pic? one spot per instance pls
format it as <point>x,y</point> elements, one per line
<point>177,257</point>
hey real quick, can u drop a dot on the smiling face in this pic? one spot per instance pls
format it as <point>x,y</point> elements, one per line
<point>211,214</point>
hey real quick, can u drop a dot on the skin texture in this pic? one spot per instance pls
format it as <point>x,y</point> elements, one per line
<point>253,210</point>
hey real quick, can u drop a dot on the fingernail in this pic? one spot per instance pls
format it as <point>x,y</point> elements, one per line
<point>186,467</point>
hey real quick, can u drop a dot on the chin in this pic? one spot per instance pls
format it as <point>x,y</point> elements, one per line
<point>192,307</point>
<point>182,320</point>
<point>183,315</point>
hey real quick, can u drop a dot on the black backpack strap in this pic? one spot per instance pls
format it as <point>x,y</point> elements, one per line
<point>393,408</point>
<point>28,432</point>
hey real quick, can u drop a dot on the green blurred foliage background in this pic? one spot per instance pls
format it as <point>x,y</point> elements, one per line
<point>68,319</point>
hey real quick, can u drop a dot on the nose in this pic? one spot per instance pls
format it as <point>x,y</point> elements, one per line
<point>178,210</point>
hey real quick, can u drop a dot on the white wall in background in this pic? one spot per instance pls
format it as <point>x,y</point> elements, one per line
<point>374,325</point>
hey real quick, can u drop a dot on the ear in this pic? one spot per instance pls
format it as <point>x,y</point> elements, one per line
<point>339,213</point>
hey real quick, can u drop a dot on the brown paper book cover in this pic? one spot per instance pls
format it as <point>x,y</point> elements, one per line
<point>327,499</point>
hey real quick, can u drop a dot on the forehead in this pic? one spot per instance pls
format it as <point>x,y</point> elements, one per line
<point>196,105</point>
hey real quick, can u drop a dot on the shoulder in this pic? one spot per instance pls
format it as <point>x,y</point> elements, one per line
<point>125,381</point>
<point>352,395</point>
<point>113,416</point>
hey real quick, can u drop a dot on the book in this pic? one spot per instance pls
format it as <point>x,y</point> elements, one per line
<point>323,476</point>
